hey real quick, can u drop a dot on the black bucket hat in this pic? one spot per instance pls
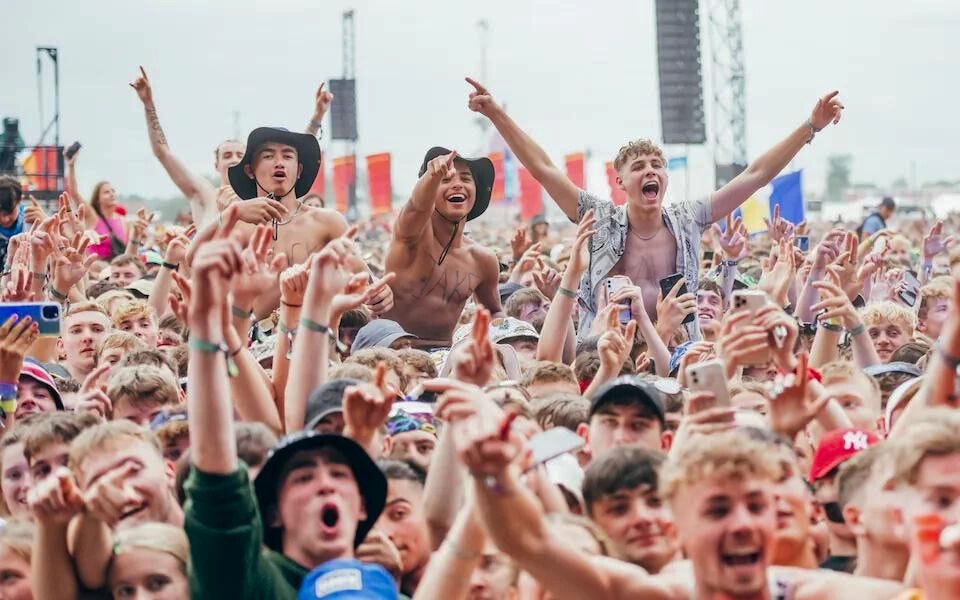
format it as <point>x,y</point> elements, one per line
<point>370,480</point>
<point>308,155</point>
<point>483,177</point>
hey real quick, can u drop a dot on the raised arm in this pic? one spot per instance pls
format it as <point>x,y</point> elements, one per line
<point>415,214</point>
<point>197,189</point>
<point>322,103</point>
<point>770,163</point>
<point>550,346</point>
<point>530,154</point>
<point>208,398</point>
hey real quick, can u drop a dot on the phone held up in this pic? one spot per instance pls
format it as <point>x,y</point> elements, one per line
<point>709,376</point>
<point>71,150</point>
<point>45,314</point>
<point>752,301</point>
<point>667,283</point>
<point>614,285</point>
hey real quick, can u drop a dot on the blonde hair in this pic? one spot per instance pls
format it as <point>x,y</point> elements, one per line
<point>725,455</point>
<point>876,313</point>
<point>842,371</point>
<point>119,339</point>
<point>158,537</point>
<point>17,536</point>
<point>105,435</point>
<point>133,309</point>
<point>81,307</point>
<point>13,436</point>
<point>108,299</point>
<point>143,384</point>
<point>936,433</point>
<point>635,148</point>
<point>940,288</point>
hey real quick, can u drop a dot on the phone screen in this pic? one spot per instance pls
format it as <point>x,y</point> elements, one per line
<point>802,242</point>
<point>615,284</point>
<point>45,314</point>
<point>667,283</point>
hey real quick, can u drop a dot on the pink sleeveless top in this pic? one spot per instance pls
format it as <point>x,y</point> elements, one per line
<point>103,248</point>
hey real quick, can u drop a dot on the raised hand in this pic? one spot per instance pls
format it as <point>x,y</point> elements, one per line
<point>441,167</point>
<point>616,343</point>
<point>580,252</point>
<point>92,396</point>
<point>783,330</point>
<point>55,499</point>
<point>458,400</point>
<point>377,548</point>
<point>293,285</point>
<point>180,306</point>
<point>366,406</point>
<point>846,266</point>
<point>177,249</point>
<point>34,212</point>
<point>739,339</point>
<point>776,282</point>
<point>71,219</point>
<point>226,197</point>
<point>19,286</point>
<point>44,242</point>
<point>835,303</point>
<point>112,496</point>
<point>632,296</point>
<point>322,101</point>
<point>16,337</point>
<point>215,265</point>
<point>481,101</point>
<point>72,263</point>
<point>778,228</point>
<point>526,263</point>
<point>794,402</point>
<point>141,223</point>
<point>935,242</point>
<point>259,268</point>
<point>473,360</point>
<point>518,244</point>
<point>827,110</point>
<point>142,86</point>
<point>547,280</point>
<point>379,295</point>
<point>733,239</point>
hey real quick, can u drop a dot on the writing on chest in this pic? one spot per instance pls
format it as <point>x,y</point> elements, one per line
<point>452,284</point>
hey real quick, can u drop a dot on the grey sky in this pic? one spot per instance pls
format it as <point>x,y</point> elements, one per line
<point>574,74</point>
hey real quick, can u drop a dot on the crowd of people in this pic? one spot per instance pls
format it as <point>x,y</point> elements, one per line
<point>266,401</point>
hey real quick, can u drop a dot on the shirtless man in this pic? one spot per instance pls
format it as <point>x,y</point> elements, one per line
<point>281,167</point>
<point>643,239</point>
<point>206,201</point>
<point>438,269</point>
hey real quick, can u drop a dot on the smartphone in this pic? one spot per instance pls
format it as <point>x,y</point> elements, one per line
<point>418,394</point>
<point>802,242</point>
<point>667,283</point>
<point>709,376</point>
<point>909,296</point>
<point>751,301</point>
<point>45,314</point>
<point>552,443</point>
<point>71,150</point>
<point>614,285</point>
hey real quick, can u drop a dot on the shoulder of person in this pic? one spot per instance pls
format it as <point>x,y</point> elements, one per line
<point>819,584</point>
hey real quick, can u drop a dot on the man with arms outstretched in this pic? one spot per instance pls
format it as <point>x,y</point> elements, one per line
<point>203,196</point>
<point>643,239</point>
<point>438,268</point>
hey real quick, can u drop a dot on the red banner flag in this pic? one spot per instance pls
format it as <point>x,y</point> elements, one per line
<point>531,195</point>
<point>618,195</point>
<point>499,184</point>
<point>344,176</point>
<point>575,169</point>
<point>320,183</point>
<point>378,183</point>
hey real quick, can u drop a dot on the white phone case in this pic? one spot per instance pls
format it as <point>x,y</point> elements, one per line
<point>709,376</point>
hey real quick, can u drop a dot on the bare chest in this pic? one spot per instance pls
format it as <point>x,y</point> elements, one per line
<point>299,238</point>
<point>646,262</point>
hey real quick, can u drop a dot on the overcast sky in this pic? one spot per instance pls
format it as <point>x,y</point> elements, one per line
<point>575,74</point>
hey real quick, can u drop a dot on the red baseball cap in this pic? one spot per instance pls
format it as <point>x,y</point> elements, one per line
<point>37,373</point>
<point>836,447</point>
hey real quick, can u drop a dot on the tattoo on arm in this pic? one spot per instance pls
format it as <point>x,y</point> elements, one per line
<point>156,132</point>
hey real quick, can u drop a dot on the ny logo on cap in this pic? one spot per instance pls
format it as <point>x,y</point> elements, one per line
<point>855,440</point>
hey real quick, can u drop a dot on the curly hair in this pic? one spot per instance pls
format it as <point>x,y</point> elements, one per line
<point>635,148</point>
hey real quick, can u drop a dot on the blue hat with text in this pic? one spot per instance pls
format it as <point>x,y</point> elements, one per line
<point>348,579</point>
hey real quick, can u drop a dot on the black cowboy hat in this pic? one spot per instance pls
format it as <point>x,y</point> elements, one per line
<point>308,155</point>
<point>483,176</point>
<point>370,480</point>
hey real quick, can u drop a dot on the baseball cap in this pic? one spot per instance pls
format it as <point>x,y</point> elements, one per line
<point>348,579</point>
<point>34,371</point>
<point>893,367</point>
<point>140,288</point>
<point>836,447</point>
<point>371,483</point>
<point>326,400</point>
<point>379,333</point>
<point>507,289</point>
<point>630,387</point>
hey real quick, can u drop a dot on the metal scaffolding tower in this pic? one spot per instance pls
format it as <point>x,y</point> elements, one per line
<point>728,87</point>
<point>349,74</point>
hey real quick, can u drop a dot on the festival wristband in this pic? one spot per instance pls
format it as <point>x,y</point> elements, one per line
<point>211,348</point>
<point>857,330</point>
<point>831,326</point>
<point>324,329</point>
<point>565,292</point>
<point>169,265</point>
<point>239,313</point>
<point>56,294</point>
<point>290,333</point>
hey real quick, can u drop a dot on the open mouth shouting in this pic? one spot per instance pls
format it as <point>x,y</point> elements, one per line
<point>330,519</point>
<point>457,198</point>
<point>279,175</point>
<point>650,190</point>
